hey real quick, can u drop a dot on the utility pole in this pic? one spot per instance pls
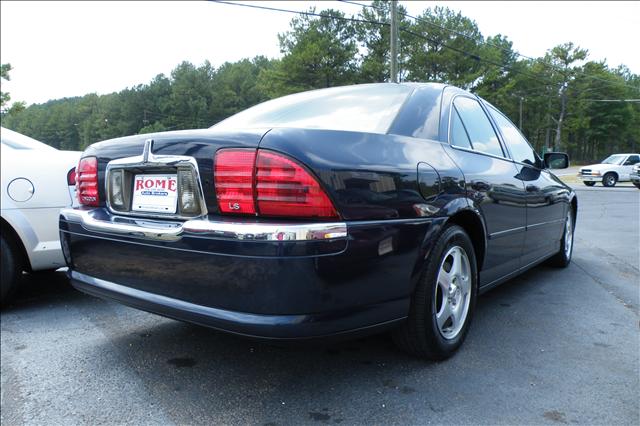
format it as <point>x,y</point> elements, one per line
<point>394,42</point>
<point>521,99</point>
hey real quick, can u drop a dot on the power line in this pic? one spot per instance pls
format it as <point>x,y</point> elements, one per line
<point>479,58</point>
<point>277,9</point>
<point>436,26</point>
<point>612,100</point>
<point>514,52</point>
<point>461,51</point>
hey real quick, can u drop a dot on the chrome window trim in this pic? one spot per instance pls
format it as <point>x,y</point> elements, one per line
<point>490,107</point>
<point>481,153</point>
<point>148,159</point>
<point>475,98</point>
<point>97,220</point>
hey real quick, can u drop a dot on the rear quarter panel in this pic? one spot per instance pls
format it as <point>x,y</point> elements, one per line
<point>47,171</point>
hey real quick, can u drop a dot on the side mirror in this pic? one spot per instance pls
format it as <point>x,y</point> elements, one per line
<point>556,160</point>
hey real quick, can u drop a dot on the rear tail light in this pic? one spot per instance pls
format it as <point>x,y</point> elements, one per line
<point>234,180</point>
<point>87,181</point>
<point>266,183</point>
<point>284,188</point>
<point>71,177</point>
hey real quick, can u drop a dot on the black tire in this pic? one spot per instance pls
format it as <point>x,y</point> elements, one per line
<point>11,268</point>
<point>589,183</point>
<point>562,259</point>
<point>637,185</point>
<point>419,335</point>
<point>609,179</point>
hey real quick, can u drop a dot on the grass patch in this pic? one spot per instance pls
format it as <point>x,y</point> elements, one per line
<point>570,179</point>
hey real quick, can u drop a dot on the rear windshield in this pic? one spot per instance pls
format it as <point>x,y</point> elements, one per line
<point>363,108</point>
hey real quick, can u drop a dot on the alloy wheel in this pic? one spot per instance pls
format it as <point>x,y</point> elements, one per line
<point>568,235</point>
<point>453,292</point>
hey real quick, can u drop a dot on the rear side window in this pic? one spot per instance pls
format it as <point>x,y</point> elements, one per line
<point>520,149</point>
<point>459,135</point>
<point>483,137</point>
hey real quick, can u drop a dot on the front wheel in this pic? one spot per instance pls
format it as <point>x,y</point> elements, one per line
<point>610,179</point>
<point>589,183</point>
<point>637,185</point>
<point>444,299</point>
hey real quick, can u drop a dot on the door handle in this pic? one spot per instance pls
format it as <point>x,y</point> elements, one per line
<point>532,188</point>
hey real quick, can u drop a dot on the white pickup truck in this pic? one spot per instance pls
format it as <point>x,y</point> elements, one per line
<point>615,168</point>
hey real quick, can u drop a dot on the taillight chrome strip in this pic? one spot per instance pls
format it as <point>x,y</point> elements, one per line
<point>97,220</point>
<point>149,160</point>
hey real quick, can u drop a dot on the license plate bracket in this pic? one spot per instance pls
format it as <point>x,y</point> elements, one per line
<point>155,193</point>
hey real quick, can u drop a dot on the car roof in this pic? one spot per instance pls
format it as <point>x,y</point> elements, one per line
<point>11,138</point>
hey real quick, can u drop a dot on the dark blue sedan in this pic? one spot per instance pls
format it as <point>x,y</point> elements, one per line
<point>335,212</point>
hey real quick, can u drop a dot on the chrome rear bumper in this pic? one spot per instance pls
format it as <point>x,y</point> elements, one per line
<point>97,221</point>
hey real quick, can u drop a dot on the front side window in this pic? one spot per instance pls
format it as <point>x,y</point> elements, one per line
<point>483,137</point>
<point>520,149</point>
<point>633,159</point>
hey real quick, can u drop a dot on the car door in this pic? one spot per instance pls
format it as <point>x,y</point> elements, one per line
<point>627,166</point>
<point>491,183</point>
<point>546,196</point>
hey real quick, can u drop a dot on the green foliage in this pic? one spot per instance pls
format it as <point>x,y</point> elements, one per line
<point>556,92</point>
<point>4,75</point>
<point>318,52</point>
<point>374,41</point>
<point>432,57</point>
<point>192,97</point>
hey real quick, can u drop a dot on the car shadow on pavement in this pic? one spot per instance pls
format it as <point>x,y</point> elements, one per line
<point>42,290</point>
<point>194,375</point>
<point>176,361</point>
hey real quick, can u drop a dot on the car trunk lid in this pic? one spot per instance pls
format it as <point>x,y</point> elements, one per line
<point>198,145</point>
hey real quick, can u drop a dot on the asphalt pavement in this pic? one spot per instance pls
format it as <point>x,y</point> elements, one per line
<point>554,346</point>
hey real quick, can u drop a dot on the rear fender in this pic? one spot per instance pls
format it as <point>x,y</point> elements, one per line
<point>16,227</point>
<point>456,210</point>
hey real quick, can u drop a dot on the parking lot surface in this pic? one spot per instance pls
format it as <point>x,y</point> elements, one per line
<point>554,346</point>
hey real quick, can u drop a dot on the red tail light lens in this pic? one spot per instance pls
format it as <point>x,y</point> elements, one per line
<point>71,177</point>
<point>87,181</point>
<point>233,173</point>
<point>269,185</point>
<point>284,188</point>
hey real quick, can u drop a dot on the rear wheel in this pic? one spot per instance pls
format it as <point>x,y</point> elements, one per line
<point>563,257</point>
<point>637,185</point>
<point>589,183</point>
<point>444,300</point>
<point>11,269</point>
<point>609,179</point>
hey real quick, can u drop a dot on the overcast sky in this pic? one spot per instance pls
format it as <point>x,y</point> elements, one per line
<point>63,49</point>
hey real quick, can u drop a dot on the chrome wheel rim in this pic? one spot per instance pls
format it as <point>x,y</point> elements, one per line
<point>453,292</point>
<point>610,180</point>
<point>568,235</point>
